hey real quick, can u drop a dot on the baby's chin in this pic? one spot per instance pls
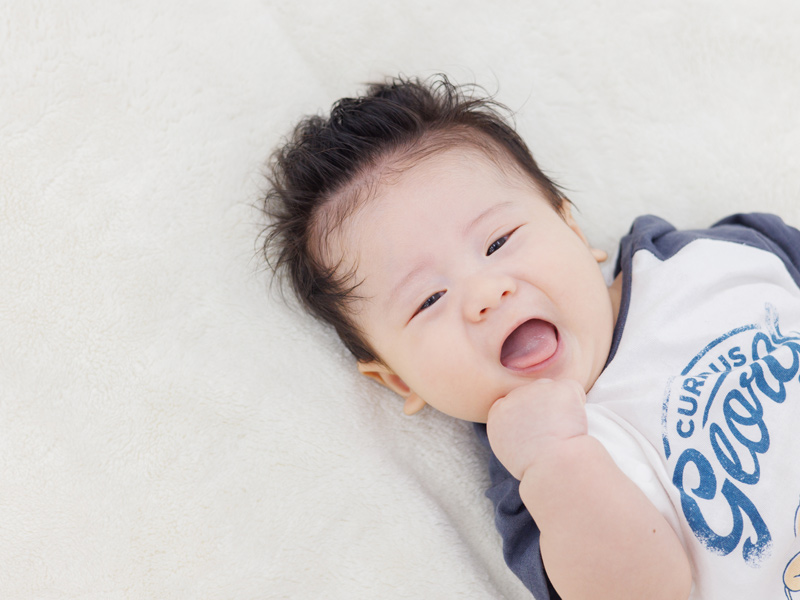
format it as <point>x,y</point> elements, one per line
<point>476,412</point>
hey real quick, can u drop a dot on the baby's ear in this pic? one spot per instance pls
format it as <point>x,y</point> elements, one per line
<point>386,377</point>
<point>566,212</point>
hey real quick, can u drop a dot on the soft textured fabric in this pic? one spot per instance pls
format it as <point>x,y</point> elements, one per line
<point>699,402</point>
<point>169,426</point>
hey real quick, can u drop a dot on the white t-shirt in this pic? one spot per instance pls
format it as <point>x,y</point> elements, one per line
<point>699,403</point>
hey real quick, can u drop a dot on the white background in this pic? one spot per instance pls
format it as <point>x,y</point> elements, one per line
<point>169,428</point>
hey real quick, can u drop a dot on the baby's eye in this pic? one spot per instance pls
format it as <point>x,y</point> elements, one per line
<point>429,302</point>
<point>497,244</point>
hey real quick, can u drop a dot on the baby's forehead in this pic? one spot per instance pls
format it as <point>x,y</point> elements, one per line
<point>390,190</point>
<point>368,187</point>
<point>393,192</point>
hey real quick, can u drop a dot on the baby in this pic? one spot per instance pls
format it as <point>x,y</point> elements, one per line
<point>415,221</point>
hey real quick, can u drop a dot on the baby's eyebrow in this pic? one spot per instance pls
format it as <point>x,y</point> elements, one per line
<point>407,278</point>
<point>486,214</point>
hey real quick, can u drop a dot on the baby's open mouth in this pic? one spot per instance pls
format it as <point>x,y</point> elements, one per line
<point>531,343</point>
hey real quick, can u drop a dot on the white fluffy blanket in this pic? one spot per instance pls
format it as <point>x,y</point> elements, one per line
<point>169,428</point>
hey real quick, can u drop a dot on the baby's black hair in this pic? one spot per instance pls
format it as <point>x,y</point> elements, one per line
<point>394,123</point>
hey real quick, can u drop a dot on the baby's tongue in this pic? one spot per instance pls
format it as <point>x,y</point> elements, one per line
<point>529,344</point>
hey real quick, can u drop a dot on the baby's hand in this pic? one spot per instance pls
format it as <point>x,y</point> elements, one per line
<point>530,422</point>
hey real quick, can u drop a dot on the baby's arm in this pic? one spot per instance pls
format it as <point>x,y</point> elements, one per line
<point>600,535</point>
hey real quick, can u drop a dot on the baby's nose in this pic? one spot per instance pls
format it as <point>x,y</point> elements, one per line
<point>486,294</point>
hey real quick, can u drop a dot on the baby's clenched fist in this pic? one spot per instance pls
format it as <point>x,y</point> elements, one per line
<point>532,420</point>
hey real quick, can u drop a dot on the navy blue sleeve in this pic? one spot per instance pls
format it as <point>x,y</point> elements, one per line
<point>517,528</point>
<point>759,230</point>
<point>768,232</point>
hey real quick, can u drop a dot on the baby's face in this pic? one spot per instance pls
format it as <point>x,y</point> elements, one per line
<point>474,285</point>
